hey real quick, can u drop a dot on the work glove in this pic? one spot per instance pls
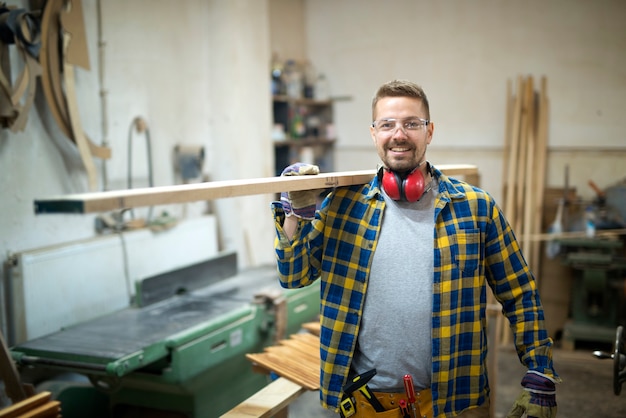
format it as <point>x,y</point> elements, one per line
<point>302,203</point>
<point>538,399</point>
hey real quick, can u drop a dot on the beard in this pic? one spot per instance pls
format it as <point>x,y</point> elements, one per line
<point>403,165</point>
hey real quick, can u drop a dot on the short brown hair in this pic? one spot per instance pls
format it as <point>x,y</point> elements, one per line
<point>401,88</point>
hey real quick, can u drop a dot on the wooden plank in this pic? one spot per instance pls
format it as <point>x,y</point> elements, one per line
<point>9,374</point>
<point>268,401</point>
<point>520,179</point>
<point>528,196</point>
<point>294,369</point>
<point>49,410</point>
<point>313,327</point>
<point>23,407</point>
<point>511,188</point>
<point>540,171</point>
<point>150,196</point>
<point>600,233</point>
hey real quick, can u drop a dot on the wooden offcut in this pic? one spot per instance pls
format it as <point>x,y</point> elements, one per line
<point>151,196</point>
<point>269,401</point>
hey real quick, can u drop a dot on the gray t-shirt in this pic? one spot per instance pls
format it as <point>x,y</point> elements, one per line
<point>395,333</point>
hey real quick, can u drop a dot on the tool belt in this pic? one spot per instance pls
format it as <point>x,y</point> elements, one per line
<point>390,401</point>
<point>358,401</point>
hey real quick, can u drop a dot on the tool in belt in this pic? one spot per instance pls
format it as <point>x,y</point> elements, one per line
<point>358,384</point>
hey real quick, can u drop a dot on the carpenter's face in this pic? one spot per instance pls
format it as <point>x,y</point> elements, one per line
<point>400,132</point>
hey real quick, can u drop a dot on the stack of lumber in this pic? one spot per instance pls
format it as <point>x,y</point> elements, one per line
<point>526,139</point>
<point>526,143</point>
<point>37,406</point>
<point>296,358</point>
<point>26,404</point>
<point>297,361</point>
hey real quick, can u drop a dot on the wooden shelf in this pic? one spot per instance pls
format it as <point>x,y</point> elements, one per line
<point>302,101</point>
<point>308,126</point>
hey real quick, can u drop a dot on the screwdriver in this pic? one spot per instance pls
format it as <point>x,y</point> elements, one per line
<point>410,393</point>
<point>404,410</point>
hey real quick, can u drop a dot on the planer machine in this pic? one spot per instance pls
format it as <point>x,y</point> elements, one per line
<point>178,351</point>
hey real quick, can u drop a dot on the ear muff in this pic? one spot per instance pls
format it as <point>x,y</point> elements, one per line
<point>409,188</point>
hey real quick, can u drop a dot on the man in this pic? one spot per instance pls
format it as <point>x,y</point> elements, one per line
<point>404,262</point>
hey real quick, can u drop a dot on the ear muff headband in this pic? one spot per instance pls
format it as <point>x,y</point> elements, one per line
<point>410,188</point>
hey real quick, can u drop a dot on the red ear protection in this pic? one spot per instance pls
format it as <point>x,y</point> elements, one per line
<point>409,188</point>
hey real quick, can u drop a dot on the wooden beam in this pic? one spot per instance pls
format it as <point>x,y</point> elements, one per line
<point>268,401</point>
<point>151,196</point>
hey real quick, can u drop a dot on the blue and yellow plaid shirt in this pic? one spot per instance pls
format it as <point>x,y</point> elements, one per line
<point>473,245</point>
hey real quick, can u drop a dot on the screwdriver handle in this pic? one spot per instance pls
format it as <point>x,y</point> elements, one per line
<point>408,388</point>
<point>410,393</point>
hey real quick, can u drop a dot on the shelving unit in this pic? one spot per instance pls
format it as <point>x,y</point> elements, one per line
<point>309,132</point>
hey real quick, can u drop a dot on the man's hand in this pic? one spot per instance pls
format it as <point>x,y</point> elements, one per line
<point>303,203</point>
<point>537,400</point>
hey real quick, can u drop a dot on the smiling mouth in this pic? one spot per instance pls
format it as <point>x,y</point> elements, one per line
<point>399,149</point>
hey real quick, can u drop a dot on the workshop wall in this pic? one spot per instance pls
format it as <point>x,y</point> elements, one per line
<point>195,72</point>
<point>463,54</point>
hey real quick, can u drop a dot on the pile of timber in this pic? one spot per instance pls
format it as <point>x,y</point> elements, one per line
<point>37,406</point>
<point>526,143</point>
<point>296,358</point>
<point>526,139</point>
<point>297,361</point>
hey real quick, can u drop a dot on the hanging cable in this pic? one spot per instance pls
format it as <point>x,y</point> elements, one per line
<point>103,97</point>
<point>140,125</point>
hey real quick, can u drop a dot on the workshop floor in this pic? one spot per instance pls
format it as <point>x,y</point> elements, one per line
<point>586,391</point>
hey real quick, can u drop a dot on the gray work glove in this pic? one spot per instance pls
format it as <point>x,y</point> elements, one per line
<point>538,399</point>
<point>302,203</point>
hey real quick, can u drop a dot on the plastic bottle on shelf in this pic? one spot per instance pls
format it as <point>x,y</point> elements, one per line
<point>310,78</point>
<point>298,128</point>
<point>321,90</point>
<point>278,86</point>
<point>293,79</point>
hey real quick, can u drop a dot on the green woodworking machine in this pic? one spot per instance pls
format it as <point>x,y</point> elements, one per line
<point>178,351</point>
